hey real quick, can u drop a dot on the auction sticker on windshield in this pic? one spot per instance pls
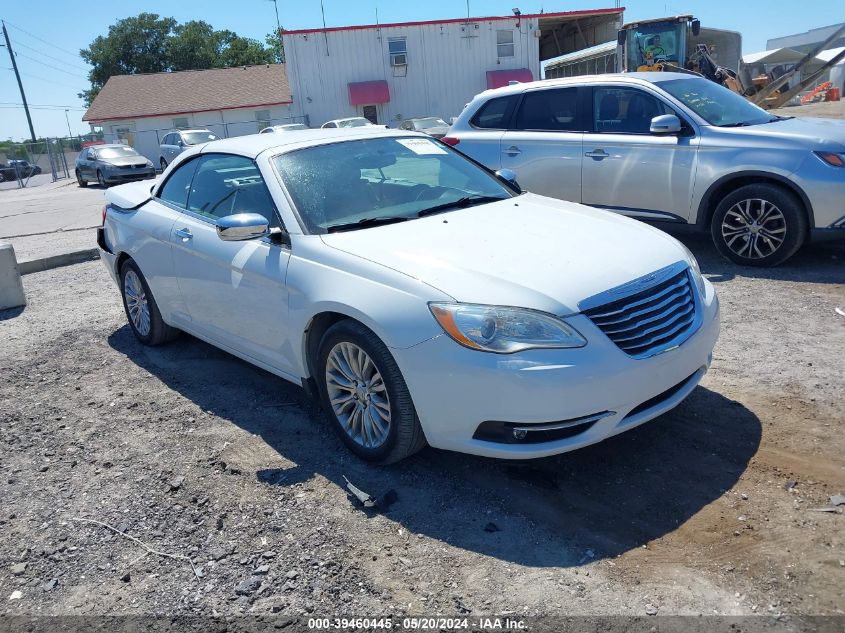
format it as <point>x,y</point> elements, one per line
<point>421,146</point>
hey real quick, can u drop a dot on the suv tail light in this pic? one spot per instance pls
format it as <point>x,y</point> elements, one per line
<point>105,209</point>
<point>451,140</point>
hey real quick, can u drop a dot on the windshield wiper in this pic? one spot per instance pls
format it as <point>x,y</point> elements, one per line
<point>366,223</point>
<point>460,203</point>
<point>738,124</point>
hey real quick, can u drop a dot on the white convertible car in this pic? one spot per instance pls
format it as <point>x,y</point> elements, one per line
<point>421,297</point>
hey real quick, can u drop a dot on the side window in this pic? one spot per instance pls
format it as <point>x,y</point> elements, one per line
<point>166,140</point>
<point>504,44</point>
<point>555,109</point>
<point>225,184</point>
<point>175,190</point>
<point>625,110</point>
<point>492,115</point>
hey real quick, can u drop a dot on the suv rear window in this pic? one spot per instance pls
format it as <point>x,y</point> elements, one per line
<point>493,114</point>
<point>554,109</point>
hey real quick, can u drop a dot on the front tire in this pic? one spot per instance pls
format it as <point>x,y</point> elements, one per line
<point>364,393</point>
<point>759,225</point>
<point>163,164</point>
<point>141,308</point>
<point>100,180</point>
<point>80,180</point>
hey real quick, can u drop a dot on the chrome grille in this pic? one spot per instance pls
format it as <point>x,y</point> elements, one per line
<point>655,319</point>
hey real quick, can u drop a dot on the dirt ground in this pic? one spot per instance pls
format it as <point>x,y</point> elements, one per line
<point>710,509</point>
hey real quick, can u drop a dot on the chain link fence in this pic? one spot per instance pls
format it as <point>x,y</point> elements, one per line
<point>32,164</point>
<point>147,142</point>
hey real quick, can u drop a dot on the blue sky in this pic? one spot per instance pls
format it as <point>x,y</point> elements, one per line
<point>46,39</point>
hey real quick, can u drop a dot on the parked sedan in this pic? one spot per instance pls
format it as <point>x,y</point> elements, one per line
<point>355,121</point>
<point>287,127</point>
<point>431,125</point>
<point>419,296</point>
<point>668,147</point>
<point>18,168</point>
<point>109,164</point>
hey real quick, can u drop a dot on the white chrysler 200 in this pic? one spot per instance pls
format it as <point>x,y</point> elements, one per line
<point>421,297</point>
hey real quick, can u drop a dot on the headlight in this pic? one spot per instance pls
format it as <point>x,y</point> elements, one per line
<point>833,159</point>
<point>697,277</point>
<point>149,163</point>
<point>504,330</point>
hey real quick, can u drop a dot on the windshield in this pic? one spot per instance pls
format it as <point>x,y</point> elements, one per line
<point>352,181</point>
<point>714,103</point>
<point>116,152</point>
<point>424,124</point>
<point>657,42</point>
<point>353,123</point>
<point>192,138</point>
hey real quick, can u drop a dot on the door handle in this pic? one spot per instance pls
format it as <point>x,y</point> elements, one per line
<point>513,150</point>
<point>597,153</point>
<point>185,234</point>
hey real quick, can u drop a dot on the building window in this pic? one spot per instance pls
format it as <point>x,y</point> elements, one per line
<point>398,50</point>
<point>180,123</point>
<point>262,118</point>
<point>504,43</point>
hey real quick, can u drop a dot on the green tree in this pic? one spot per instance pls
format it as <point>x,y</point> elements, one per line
<point>148,43</point>
<point>133,45</point>
<point>274,42</point>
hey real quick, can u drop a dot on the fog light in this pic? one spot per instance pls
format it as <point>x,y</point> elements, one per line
<point>520,434</point>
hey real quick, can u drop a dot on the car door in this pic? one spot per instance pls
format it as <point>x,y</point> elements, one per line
<point>629,170</point>
<point>86,167</point>
<point>544,143</point>
<point>234,292</point>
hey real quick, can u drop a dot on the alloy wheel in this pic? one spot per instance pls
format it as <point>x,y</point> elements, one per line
<point>100,180</point>
<point>136,302</point>
<point>358,395</point>
<point>754,228</point>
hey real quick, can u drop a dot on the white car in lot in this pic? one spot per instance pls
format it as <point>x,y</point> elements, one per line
<point>420,296</point>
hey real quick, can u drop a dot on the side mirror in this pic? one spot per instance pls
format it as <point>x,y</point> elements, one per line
<point>242,226</point>
<point>696,27</point>
<point>509,178</point>
<point>621,36</point>
<point>665,124</point>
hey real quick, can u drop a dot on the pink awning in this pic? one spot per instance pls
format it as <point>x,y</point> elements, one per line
<point>499,78</point>
<point>368,92</point>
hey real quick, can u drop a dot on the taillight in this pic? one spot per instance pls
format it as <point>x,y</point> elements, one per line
<point>450,140</point>
<point>105,209</point>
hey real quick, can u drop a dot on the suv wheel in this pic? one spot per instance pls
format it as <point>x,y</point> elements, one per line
<point>363,391</point>
<point>759,225</point>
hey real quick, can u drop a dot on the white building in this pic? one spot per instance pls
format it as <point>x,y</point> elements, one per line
<point>141,109</point>
<point>389,72</point>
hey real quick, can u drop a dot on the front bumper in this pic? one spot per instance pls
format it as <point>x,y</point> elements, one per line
<point>456,389</point>
<point>129,175</point>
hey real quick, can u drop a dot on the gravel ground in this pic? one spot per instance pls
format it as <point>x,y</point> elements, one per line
<point>710,509</point>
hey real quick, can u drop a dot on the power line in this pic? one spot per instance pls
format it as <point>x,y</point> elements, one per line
<point>44,105</point>
<point>34,107</point>
<point>38,61</point>
<point>61,61</point>
<point>64,50</point>
<point>51,81</point>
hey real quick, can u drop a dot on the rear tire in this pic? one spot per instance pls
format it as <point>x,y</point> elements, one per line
<point>759,225</point>
<point>82,182</point>
<point>141,308</point>
<point>376,419</point>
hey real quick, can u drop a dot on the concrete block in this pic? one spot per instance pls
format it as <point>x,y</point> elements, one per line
<point>11,288</point>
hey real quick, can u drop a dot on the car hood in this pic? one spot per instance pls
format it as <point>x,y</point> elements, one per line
<point>125,161</point>
<point>820,133</point>
<point>528,251</point>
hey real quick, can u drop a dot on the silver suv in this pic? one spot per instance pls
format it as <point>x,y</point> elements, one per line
<point>177,141</point>
<point>668,147</point>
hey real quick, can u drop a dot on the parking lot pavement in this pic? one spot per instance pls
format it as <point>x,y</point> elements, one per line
<point>52,219</point>
<point>709,509</point>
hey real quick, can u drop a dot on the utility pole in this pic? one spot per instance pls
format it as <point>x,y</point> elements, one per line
<point>18,76</point>
<point>69,133</point>
<point>279,32</point>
